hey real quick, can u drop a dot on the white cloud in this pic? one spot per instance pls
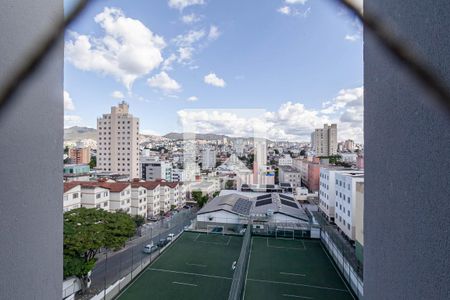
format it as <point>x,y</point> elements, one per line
<point>285,10</point>
<point>182,4</point>
<point>212,79</point>
<point>352,37</point>
<point>72,120</point>
<point>68,102</point>
<point>117,95</point>
<point>190,19</point>
<point>186,40</point>
<point>185,54</point>
<point>291,121</point>
<point>295,1</point>
<point>163,82</point>
<point>214,33</point>
<point>127,50</point>
<point>192,99</point>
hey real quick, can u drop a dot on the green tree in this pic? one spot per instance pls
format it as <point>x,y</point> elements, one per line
<point>138,220</point>
<point>215,194</point>
<point>229,185</point>
<point>86,231</point>
<point>199,198</point>
<point>93,162</point>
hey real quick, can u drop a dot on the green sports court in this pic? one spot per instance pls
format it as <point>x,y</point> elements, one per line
<point>292,269</point>
<point>195,266</point>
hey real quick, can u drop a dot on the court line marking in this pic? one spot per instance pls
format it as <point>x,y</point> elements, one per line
<point>299,284</point>
<point>289,248</point>
<point>184,283</point>
<point>214,243</point>
<point>337,271</point>
<point>248,266</point>
<point>134,280</point>
<point>197,265</point>
<point>189,273</point>
<point>292,274</point>
<point>296,296</point>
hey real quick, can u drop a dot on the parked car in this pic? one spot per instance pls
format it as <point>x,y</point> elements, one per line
<point>150,248</point>
<point>162,243</point>
<point>170,236</point>
<point>152,219</point>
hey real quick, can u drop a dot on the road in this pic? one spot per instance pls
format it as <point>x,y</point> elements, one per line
<point>112,266</point>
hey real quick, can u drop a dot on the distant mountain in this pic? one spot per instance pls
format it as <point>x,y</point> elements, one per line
<point>198,136</point>
<point>206,136</point>
<point>76,133</point>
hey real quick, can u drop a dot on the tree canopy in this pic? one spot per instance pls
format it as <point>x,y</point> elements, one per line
<point>86,231</point>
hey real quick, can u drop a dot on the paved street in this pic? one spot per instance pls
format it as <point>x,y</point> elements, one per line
<point>115,265</point>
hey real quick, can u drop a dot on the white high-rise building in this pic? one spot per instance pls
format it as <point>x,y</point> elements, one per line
<point>118,141</point>
<point>208,159</point>
<point>324,140</point>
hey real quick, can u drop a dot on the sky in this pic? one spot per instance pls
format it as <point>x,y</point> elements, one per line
<point>210,62</point>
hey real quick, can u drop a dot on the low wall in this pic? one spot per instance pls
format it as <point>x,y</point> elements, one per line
<point>356,284</point>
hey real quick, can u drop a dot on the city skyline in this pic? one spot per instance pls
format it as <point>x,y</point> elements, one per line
<point>167,58</point>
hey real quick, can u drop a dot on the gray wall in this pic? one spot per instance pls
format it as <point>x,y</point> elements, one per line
<point>407,151</point>
<point>31,135</point>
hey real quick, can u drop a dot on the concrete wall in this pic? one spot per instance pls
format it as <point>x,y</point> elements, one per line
<point>31,251</point>
<point>407,142</point>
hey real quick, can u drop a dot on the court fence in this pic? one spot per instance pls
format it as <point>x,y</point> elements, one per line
<point>237,285</point>
<point>259,226</point>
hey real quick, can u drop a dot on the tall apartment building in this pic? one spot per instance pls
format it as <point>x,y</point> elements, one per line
<point>324,140</point>
<point>80,155</point>
<point>349,145</point>
<point>118,141</point>
<point>208,159</point>
<point>151,168</point>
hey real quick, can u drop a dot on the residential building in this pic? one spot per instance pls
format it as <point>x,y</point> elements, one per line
<point>208,159</point>
<point>324,140</point>
<point>164,198</point>
<point>345,191</point>
<point>94,196</point>
<point>118,141</point>
<point>120,195</point>
<point>72,196</point>
<point>151,168</point>
<point>327,186</point>
<point>359,221</point>
<point>289,174</point>
<point>349,145</point>
<point>152,195</point>
<point>285,160</point>
<point>349,158</point>
<point>80,155</point>
<point>138,201</point>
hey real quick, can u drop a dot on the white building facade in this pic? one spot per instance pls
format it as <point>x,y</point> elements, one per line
<point>345,192</point>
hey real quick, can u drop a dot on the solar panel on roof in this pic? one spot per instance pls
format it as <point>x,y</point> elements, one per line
<point>289,203</point>
<point>286,197</point>
<point>242,206</point>
<point>263,202</point>
<point>263,196</point>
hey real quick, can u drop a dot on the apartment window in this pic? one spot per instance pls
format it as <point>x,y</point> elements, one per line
<point>348,213</point>
<point>97,196</point>
<point>97,206</point>
<point>75,195</point>
<point>105,204</point>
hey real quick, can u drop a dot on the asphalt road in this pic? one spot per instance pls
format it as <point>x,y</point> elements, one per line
<point>116,265</point>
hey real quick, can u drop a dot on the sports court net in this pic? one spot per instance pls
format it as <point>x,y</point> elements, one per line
<point>237,286</point>
<point>284,233</point>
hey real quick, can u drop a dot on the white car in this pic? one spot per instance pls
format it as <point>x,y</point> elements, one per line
<point>170,236</point>
<point>150,248</point>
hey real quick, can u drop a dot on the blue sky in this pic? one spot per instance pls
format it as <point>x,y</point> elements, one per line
<point>300,60</point>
